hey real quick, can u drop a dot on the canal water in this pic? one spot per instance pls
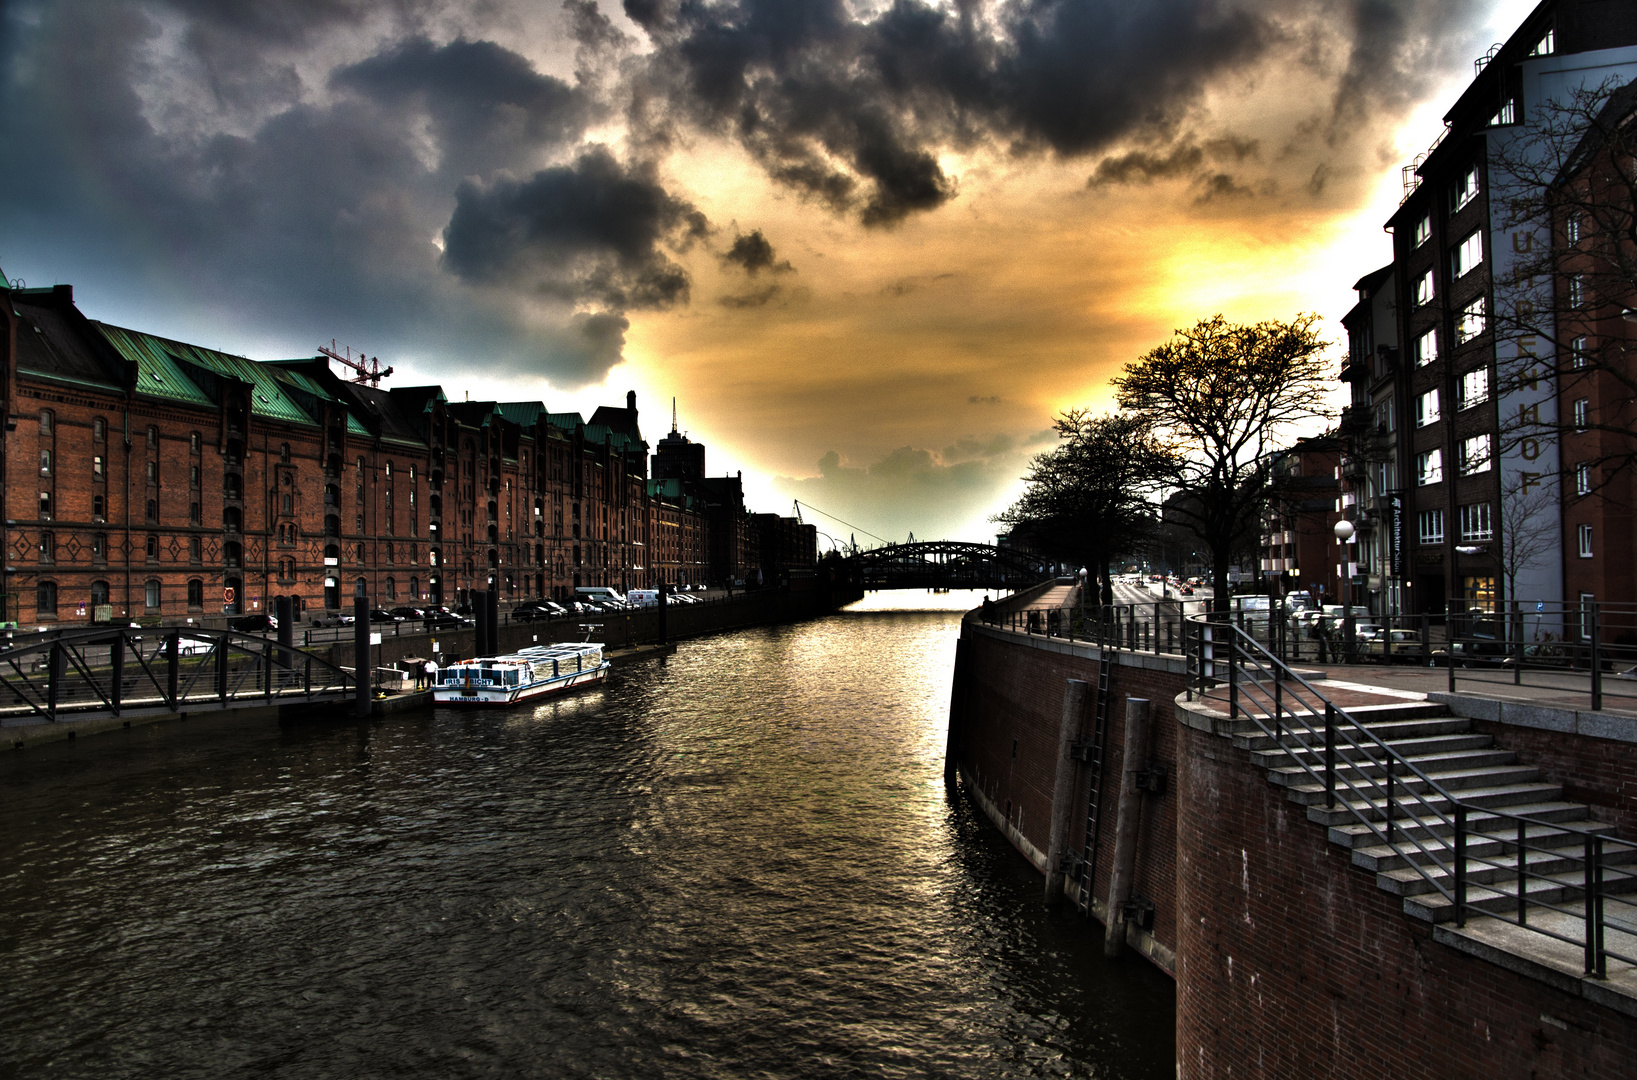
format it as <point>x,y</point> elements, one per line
<point>738,862</point>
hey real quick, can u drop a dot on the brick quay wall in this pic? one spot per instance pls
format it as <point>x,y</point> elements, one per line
<point>1289,961</point>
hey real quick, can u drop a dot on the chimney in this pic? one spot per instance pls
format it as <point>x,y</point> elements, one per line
<point>631,400</point>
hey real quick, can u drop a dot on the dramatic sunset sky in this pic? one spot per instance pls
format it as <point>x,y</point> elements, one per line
<point>871,247</point>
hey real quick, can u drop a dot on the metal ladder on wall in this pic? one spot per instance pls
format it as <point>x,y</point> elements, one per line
<point>1090,751</point>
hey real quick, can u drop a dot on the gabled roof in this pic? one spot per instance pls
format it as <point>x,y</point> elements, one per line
<point>52,341</point>
<point>522,413</point>
<point>567,421</point>
<point>382,414</point>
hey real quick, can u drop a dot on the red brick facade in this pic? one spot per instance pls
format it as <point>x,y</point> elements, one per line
<point>1290,962</point>
<point>151,479</point>
<point>1014,698</point>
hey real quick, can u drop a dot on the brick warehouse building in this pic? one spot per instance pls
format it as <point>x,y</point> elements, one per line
<point>148,478</point>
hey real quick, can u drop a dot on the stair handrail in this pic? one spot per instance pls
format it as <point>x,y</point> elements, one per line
<point>1594,869</point>
<point>1265,663</point>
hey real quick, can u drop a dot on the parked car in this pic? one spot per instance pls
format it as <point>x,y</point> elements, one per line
<point>333,618</point>
<point>530,611</point>
<point>382,615</point>
<point>409,614</point>
<point>442,617</point>
<point>261,623</point>
<point>1392,646</point>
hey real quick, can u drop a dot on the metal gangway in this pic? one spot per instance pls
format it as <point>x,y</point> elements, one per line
<point>115,670</point>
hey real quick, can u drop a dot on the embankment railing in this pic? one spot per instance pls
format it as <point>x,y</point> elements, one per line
<point>120,668</point>
<point>1458,847</point>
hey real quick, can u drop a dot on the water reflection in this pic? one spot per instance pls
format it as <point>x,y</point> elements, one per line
<point>738,862</point>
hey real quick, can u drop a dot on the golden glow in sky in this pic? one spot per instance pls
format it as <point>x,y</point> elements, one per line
<point>871,250</point>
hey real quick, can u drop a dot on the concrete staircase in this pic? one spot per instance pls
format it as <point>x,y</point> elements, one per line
<point>1486,777</point>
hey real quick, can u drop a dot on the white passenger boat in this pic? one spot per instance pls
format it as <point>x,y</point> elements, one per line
<point>534,672</point>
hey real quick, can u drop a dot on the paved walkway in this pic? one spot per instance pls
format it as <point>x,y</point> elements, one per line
<point>1554,689</point>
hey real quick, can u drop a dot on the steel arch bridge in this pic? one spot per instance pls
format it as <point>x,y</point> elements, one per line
<point>948,564</point>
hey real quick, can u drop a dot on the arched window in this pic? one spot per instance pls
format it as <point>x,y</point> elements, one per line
<point>414,588</point>
<point>360,552</point>
<point>195,443</point>
<point>99,593</point>
<point>99,430</point>
<point>284,455</point>
<point>388,468</point>
<point>392,588</point>
<point>153,548</point>
<point>150,594</point>
<point>153,438</point>
<point>97,512</point>
<point>360,588</point>
<point>193,549</point>
<point>153,510</point>
<point>193,513</point>
<point>45,599</point>
<point>48,426</point>
<point>196,594</point>
<point>360,466</point>
<point>48,547</point>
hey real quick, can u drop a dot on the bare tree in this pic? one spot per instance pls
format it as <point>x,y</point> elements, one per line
<point>1221,397</point>
<point>1565,189</point>
<point>1087,499</point>
<point>1529,526</point>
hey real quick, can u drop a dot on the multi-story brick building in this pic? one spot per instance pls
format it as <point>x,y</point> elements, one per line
<point>1460,393</point>
<point>1299,548</point>
<point>1595,286</point>
<point>149,478</point>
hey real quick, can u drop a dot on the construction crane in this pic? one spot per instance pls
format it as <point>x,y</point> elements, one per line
<point>368,368</point>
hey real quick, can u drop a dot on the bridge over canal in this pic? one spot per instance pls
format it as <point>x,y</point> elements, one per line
<point>949,564</point>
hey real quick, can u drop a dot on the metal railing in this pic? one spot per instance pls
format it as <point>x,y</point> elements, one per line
<point>116,669</point>
<point>1154,627</point>
<point>1458,848</point>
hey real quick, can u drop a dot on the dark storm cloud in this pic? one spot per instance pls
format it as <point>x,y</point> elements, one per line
<point>854,110</point>
<point>308,156</point>
<point>592,230</point>
<point>753,253</point>
<point>484,101</point>
<point>125,165</point>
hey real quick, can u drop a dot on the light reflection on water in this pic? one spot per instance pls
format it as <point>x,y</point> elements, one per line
<point>739,862</point>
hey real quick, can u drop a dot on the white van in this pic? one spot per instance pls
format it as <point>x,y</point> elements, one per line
<point>643,597</point>
<point>597,592</point>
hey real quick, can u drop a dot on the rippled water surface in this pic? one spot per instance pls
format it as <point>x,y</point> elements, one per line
<point>741,861</point>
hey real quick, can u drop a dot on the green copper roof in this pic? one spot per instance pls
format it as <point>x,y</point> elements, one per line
<point>267,397</point>
<point>158,375</point>
<point>568,421</point>
<point>521,413</point>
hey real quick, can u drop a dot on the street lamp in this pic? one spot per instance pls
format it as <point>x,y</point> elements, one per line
<point>1344,532</point>
<point>1082,594</point>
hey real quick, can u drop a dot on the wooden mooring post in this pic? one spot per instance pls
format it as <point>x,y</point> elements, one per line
<point>1135,760</point>
<point>1068,733</point>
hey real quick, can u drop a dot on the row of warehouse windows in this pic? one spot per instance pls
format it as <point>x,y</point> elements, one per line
<point>47,596</point>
